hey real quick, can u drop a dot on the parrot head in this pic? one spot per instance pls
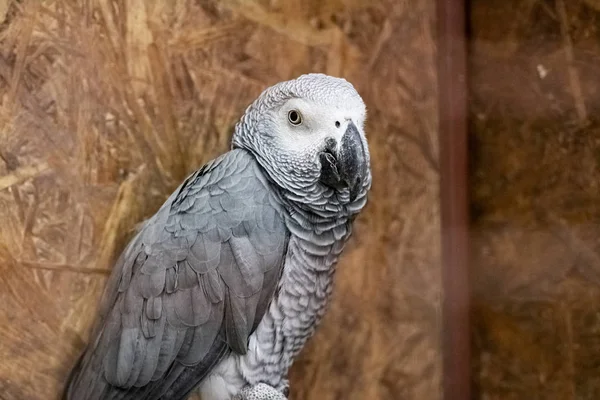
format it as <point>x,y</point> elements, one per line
<point>308,133</point>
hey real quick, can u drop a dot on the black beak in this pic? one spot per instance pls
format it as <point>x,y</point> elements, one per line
<point>345,166</point>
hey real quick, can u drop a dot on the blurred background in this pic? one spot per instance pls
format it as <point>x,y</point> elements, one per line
<point>534,68</point>
<point>106,106</point>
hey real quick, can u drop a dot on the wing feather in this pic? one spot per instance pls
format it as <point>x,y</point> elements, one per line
<point>189,288</point>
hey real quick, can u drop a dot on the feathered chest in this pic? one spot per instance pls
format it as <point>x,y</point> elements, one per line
<point>307,279</point>
<point>300,300</point>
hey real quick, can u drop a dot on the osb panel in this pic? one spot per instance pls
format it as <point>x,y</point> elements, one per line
<point>106,106</point>
<point>535,103</point>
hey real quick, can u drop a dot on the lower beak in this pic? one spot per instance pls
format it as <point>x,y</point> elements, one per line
<point>347,165</point>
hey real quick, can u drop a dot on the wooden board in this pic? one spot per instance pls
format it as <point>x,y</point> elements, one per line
<point>452,92</point>
<point>107,105</point>
<point>535,136</point>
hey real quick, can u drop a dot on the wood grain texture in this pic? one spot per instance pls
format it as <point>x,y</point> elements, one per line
<point>107,105</point>
<point>535,98</point>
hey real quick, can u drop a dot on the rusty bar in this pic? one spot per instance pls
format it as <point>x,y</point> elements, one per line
<point>452,86</point>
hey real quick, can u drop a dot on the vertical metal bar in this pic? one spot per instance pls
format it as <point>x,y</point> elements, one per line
<point>452,87</point>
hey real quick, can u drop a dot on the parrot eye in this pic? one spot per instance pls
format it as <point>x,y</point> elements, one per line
<point>294,117</point>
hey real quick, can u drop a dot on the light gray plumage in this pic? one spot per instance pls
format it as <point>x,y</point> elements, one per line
<point>222,287</point>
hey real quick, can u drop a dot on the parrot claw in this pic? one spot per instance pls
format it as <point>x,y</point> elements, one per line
<point>261,391</point>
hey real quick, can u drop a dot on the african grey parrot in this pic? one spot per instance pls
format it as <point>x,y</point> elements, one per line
<point>222,287</point>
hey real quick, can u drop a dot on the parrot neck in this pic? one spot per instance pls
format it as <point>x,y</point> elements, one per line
<point>300,302</point>
<point>321,205</point>
<point>319,231</point>
<point>316,202</point>
<point>302,191</point>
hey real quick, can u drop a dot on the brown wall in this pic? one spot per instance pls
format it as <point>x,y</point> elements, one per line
<point>106,108</point>
<point>534,107</point>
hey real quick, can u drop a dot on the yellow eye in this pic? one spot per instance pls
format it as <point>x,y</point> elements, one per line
<point>294,117</point>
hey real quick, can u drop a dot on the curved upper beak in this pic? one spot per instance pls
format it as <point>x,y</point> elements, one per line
<point>345,165</point>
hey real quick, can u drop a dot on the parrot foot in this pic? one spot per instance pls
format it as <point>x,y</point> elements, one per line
<point>260,391</point>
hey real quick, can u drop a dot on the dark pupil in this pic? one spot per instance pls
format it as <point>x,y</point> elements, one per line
<point>294,116</point>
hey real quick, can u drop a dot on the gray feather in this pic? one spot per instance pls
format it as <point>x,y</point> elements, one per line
<point>153,348</point>
<point>205,264</point>
<point>236,324</point>
<point>171,280</point>
<point>166,354</point>
<point>154,308</point>
<point>212,283</point>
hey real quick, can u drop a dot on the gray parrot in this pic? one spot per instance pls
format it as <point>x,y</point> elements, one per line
<point>222,287</point>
